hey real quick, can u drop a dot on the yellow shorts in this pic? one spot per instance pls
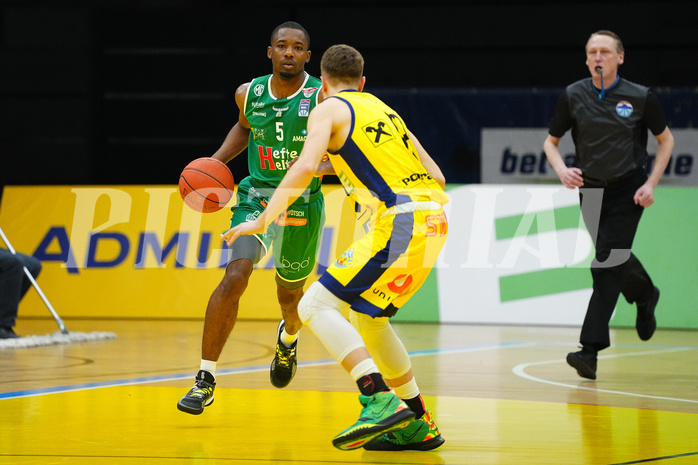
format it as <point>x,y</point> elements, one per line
<point>381,271</point>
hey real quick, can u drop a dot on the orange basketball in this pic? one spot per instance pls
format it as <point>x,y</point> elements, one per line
<point>206,185</point>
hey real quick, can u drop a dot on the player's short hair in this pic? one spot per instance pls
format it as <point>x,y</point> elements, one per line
<point>342,62</point>
<point>613,35</point>
<point>290,25</point>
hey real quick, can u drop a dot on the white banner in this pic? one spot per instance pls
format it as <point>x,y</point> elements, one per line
<point>515,255</point>
<point>515,156</point>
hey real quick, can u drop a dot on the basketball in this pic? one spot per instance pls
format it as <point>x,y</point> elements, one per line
<point>206,185</point>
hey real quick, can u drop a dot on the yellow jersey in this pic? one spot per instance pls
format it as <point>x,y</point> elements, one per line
<point>378,165</point>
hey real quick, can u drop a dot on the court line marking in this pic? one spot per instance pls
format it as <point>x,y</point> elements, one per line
<point>236,371</point>
<point>519,370</point>
<point>656,459</point>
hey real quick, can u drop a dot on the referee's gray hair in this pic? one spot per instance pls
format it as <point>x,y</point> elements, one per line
<point>613,35</point>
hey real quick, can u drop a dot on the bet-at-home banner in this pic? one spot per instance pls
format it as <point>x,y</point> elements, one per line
<point>515,254</point>
<point>515,156</point>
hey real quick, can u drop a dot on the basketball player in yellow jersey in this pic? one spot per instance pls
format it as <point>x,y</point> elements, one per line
<point>384,168</point>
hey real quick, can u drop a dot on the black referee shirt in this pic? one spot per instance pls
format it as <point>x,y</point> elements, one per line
<point>609,134</point>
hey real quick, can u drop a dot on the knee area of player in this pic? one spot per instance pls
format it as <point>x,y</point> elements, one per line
<point>305,308</point>
<point>311,302</point>
<point>366,324</point>
<point>316,299</point>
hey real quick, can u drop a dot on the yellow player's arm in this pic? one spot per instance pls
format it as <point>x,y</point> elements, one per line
<point>428,162</point>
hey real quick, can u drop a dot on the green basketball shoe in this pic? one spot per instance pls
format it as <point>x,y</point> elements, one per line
<point>421,434</point>
<point>383,412</point>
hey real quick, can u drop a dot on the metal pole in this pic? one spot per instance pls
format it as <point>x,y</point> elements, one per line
<point>61,326</point>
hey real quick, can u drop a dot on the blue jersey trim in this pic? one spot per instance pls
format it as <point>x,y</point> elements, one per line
<point>397,245</point>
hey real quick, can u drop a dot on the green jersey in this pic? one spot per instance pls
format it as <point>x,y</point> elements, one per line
<point>278,128</point>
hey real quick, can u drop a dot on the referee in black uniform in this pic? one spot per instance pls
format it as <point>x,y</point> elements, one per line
<point>609,118</point>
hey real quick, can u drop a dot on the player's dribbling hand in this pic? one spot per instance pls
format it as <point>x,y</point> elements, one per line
<point>251,227</point>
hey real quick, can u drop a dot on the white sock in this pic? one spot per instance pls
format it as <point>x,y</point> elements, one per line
<point>288,339</point>
<point>409,390</point>
<point>208,365</point>
<point>363,368</point>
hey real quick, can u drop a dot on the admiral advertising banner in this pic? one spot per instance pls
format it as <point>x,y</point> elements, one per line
<point>138,251</point>
<point>514,156</point>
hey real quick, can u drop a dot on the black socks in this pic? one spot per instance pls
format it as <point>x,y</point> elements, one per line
<point>372,383</point>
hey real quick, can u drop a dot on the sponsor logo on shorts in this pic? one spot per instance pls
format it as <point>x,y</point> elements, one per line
<point>291,218</point>
<point>252,216</point>
<point>400,283</point>
<point>346,259</point>
<point>382,294</point>
<point>284,220</point>
<point>437,225</point>
<point>396,286</point>
<point>289,266</point>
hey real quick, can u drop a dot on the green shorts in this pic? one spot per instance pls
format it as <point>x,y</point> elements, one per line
<point>294,237</point>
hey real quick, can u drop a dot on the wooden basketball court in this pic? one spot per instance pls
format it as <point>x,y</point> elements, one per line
<point>501,395</point>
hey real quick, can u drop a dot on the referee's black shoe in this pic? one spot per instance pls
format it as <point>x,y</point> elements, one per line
<point>584,362</point>
<point>646,323</point>
<point>6,332</point>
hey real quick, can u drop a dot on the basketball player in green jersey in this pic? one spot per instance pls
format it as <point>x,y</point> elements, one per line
<point>272,123</point>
